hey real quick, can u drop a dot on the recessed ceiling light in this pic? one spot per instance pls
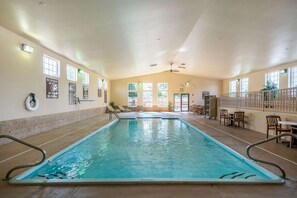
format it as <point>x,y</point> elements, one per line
<point>153,65</point>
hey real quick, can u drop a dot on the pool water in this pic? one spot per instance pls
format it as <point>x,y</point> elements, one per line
<point>148,149</point>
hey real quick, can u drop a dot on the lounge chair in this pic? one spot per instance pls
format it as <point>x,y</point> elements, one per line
<point>111,109</point>
<point>124,109</point>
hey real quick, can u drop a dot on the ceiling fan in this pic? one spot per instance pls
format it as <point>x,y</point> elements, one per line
<point>171,70</point>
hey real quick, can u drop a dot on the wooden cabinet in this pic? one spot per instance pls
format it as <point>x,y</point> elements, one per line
<point>210,103</point>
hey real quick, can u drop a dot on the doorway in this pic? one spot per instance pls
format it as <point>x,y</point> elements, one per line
<point>181,102</point>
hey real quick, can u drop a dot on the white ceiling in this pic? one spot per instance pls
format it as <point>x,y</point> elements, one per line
<point>121,38</point>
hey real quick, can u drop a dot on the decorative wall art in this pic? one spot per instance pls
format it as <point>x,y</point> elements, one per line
<point>52,88</point>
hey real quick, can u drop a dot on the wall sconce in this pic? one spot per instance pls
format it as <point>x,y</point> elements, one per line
<point>237,80</point>
<point>102,80</point>
<point>27,48</point>
<point>187,84</point>
<point>283,71</point>
<point>80,71</point>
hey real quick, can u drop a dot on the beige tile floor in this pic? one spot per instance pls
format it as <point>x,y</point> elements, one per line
<point>53,141</point>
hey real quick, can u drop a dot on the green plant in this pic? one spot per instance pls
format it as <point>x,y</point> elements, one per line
<point>170,106</point>
<point>269,86</point>
<point>112,104</point>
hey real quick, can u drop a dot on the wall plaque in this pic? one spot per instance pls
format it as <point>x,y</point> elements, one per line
<point>85,92</point>
<point>52,88</point>
<point>72,93</point>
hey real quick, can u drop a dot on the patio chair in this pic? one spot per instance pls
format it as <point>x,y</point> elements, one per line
<point>224,115</point>
<point>238,117</point>
<point>124,109</point>
<point>272,124</point>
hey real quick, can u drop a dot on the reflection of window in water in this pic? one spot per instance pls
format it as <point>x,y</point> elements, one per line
<point>132,127</point>
<point>147,129</point>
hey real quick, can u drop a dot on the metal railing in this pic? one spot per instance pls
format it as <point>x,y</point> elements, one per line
<point>264,141</point>
<point>115,113</point>
<point>279,100</point>
<point>7,177</point>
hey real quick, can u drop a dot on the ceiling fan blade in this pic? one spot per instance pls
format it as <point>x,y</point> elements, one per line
<point>182,67</point>
<point>175,70</point>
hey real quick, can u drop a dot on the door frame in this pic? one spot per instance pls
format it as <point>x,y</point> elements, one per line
<point>181,94</point>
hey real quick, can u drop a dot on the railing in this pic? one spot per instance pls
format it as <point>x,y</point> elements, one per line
<point>264,141</point>
<point>7,177</point>
<point>280,100</point>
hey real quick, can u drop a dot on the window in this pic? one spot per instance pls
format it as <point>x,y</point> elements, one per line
<point>147,94</point>
<point>293,77</point>
<point>244,85</point>
<point>162,94</point>
<point>85,78</point>
<point>51,66</point>
<point>132,95</point>
<point>232,86</point>
<point>71,73</point>
<point>163,86</point>
<point>272,77</point>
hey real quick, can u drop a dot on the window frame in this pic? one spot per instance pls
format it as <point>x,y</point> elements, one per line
<point>269,75</point>
<point>147,88</point>
<point>292,77</point>
<point>47,71</point>
<point>83,75</point>
<point>129,99</point>
<point>75,72</point>
<point>162,89</point>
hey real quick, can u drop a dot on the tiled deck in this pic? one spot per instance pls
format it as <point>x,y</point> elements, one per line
<point>53,141</point>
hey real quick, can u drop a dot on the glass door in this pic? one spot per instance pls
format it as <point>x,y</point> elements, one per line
<point>181,102</point>
<point>177,103</point>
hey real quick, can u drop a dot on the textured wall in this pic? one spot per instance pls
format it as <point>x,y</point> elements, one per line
<point>24,127</point>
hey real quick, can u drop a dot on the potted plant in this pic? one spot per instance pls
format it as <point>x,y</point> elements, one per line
<point>269,91</point>
<point>169,106</point>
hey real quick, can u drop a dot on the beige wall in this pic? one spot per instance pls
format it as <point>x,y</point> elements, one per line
<point>21,74</point>
<point>257,79</point>
<point>119,93</point>
<point>256,120</point>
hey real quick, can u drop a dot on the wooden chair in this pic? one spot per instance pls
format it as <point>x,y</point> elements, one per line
<point>293,131</point>
<point>272,124</point>
<point>224,115</point>
<point>238,117</point>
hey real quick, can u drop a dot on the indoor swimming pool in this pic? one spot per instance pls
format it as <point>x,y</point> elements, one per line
<point>147,150</point>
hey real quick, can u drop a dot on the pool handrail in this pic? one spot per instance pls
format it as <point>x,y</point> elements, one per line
<point>7,177</point>
<point>268,140</point>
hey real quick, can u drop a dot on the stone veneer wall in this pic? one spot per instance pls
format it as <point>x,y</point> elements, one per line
<point>24,127</point>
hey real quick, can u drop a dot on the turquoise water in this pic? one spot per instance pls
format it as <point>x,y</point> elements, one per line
<point>147,148</point>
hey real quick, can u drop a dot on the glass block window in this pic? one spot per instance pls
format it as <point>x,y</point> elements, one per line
<point>232,86</point>
<point>244,85</point>
<point>293,77</point>
<point>85,78</point>
<point>51,66</point>
<point>105,84</point>
<point>272,77</point>
<point>162,98</point>
<point>147,86</point>
<point>71,73</point>
<point>163,86</point>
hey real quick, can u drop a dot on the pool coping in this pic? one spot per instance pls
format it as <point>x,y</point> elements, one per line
<point>274,179</point>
